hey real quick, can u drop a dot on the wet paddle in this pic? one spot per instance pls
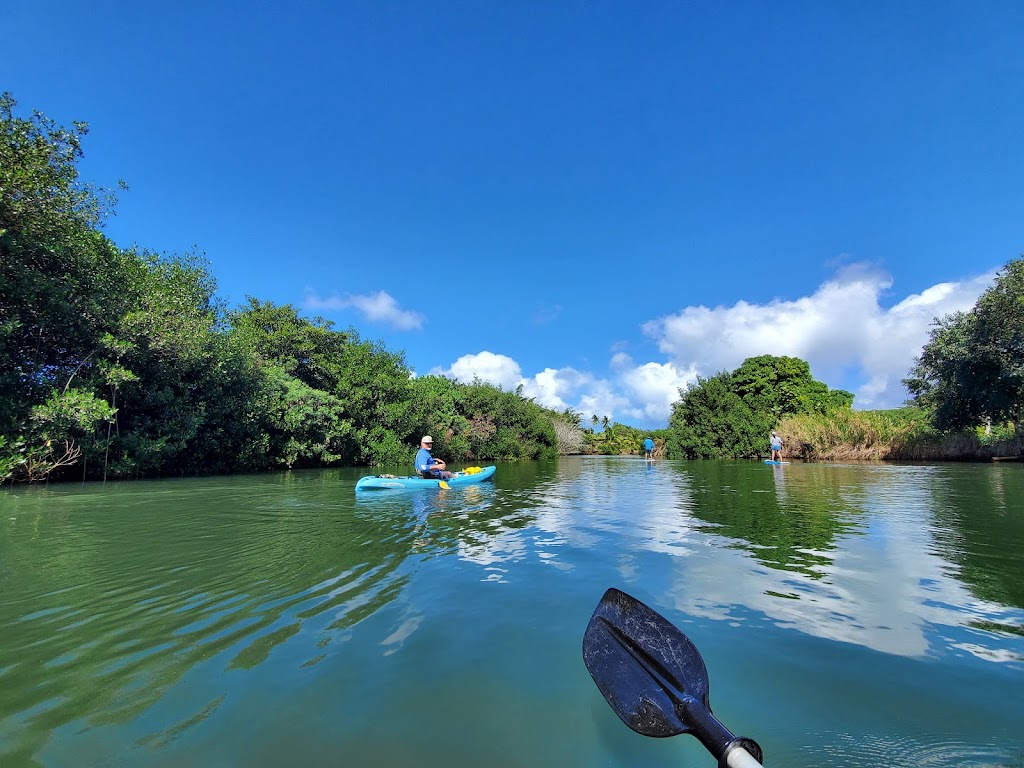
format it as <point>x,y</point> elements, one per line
<point>655,679</point>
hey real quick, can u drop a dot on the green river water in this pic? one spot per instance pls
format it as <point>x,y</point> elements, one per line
<point>849,615</point>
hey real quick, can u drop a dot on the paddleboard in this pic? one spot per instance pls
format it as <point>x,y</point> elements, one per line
<point>776,463</point>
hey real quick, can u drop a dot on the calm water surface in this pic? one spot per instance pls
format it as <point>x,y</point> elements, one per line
<point>849,615</point>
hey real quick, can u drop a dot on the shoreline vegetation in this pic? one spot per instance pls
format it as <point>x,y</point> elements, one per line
<point>125,363</point>
<point>899,434</point>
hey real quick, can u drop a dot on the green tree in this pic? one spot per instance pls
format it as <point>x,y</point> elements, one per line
<point>622,440</point>
<point>57,427</point>
<point>305,425</point>
<point>783,385</point>
<point>518,427</point>
<point>278,336</point>
<point>372,384</point>
<point>60,278</point>
<point>731,414</point>
<point>712,421</point>
<point>573,417</point>
<point>1000,344</point>
<point>358,391</point>
<point>945,378</point>
<point>175,378</point>
<point>972,367</point>
<point>839,400</point>
<point>435,411</point>
<point>40,192</point>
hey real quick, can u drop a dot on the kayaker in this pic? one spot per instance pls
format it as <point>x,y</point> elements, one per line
<point>427,465</point>
<point>775,443</point>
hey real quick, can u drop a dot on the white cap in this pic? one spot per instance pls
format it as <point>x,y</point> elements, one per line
<point>427,439</point>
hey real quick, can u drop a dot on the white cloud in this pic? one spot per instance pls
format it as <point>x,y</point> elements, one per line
<point>495,369</point>
<point>654,387</point>
<point>556,388</point>
<point>840,327</point>
<point>602,399</point>
<point>635,394</point>
<point>379,307</point>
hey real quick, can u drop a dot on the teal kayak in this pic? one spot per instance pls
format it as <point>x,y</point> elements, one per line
<point>390,482</point>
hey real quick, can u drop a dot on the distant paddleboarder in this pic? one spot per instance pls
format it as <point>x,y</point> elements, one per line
<point>775,443</point>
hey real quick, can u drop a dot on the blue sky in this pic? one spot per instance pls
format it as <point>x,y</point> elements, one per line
<point>597,200</point>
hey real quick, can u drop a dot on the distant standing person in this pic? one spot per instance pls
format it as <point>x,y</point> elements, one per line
<point>775,442</point>
<point>648,449</point>
<point>427,465</point>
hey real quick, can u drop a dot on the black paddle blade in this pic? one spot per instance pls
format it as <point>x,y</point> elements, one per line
<point>644,666</point>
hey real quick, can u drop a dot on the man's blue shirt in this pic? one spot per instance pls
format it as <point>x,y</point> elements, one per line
<point>423,460</point>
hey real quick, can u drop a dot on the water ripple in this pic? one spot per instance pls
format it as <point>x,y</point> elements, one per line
<point>185,613</point>
<point>231,582</point>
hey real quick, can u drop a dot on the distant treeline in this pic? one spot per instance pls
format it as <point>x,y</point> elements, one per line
<point>731,414</point>
<point>967,397</point>
<point>124,363</point>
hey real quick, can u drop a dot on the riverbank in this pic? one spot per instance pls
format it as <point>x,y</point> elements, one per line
<point>902,434</point>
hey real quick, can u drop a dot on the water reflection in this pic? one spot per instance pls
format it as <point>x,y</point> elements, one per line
<point>109,618</point>
<point>788,517</point>
<point>183,617</point>
<point>882,556</point>
<point>980,527</point>
<point>858,554</point>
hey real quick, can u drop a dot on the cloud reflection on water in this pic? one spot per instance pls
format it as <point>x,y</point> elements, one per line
<point>850,553</point>
<point>884,583</point>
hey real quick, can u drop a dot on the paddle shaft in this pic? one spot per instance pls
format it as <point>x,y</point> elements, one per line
<point>740,758</point>
<point>715,737</point>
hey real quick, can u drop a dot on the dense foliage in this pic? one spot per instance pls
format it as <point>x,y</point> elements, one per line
<point>972,368</point>
<point>731,414</point>
<point>123,363</point>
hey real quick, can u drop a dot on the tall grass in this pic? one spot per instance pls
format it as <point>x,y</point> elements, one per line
<point>902,433</point>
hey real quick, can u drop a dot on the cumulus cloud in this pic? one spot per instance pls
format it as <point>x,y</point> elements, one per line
<point>653,387</point>
<point>632,394</point>
<point>841,327</point>
<point>499,370</point>
<point>602,398</point>
<point>379,307</point>
<point>556,388</point>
